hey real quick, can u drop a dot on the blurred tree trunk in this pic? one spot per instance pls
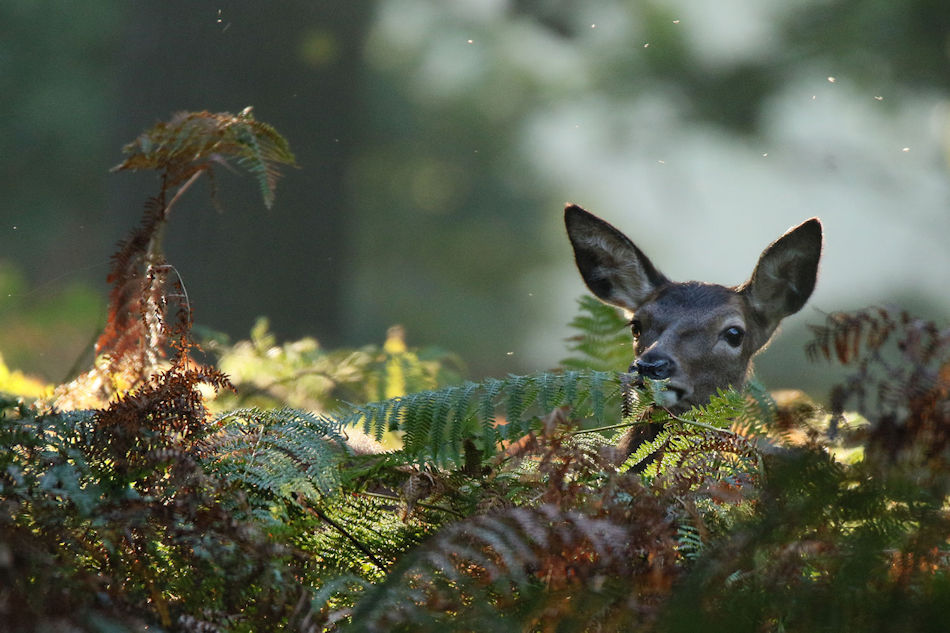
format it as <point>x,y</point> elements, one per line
<point>298,63</point>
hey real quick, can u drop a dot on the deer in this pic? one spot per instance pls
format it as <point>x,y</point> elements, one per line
<point>698,337</point>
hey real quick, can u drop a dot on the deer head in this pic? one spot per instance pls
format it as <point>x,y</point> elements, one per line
<point>699,336</point>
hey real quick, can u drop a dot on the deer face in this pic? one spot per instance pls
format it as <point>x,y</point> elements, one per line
<point>694,335</point>
<point>700,337</point>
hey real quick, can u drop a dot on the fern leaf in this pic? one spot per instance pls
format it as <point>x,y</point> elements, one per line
<point>437,423</point>
<point>647,450</point>
<point>603,338</point>
<point>442,408</point>
<point>461,415</point>
<point>570,381</point>
<point>192,142</point>
<point>549,388</point>
<point>281,452</point>
<point>690,541</point>
<point>261,150</point>
<point>139,326</point>
<point>468,570</point>
<point>519,394</point>
<point>490,390</point>
<point>598,380</point>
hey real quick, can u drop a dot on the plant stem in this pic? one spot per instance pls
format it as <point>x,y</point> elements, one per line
<point>380,495</point>
<point>352,539</point>
<point>701,425</point>
<point>602,428</point>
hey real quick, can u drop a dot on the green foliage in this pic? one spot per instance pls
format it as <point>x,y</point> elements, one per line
<point>700,432</point>
<point>838,546</point>
<point>280,453</point>
<point>111,512</point>
<point>602,341</point>
<point>502,507</point>
<point>303,375</point>
<point>829,549</point>
<point>437,424</point>
<point>569,540</point>
<point>291,464</point>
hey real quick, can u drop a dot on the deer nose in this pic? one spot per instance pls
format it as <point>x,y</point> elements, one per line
<point>654,368</point>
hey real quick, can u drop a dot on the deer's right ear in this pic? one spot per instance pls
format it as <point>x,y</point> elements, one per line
<point>612,266</point>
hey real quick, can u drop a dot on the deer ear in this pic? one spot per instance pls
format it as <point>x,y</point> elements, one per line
<point>786,273</point>
<point>612,266</point>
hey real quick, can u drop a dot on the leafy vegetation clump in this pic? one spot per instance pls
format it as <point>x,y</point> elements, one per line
<point>290,488</point>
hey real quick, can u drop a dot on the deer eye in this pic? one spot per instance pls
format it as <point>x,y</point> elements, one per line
<point>635,328</point>
<point>733,336</point>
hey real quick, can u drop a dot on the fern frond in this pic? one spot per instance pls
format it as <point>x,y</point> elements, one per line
<point>601,561</point>
<point>520,394</point>
<point>359,535</point>
<point>140,323</point>
<point>463,405</point>
<point>436,423</point>
<point>336,595</point>
<point>696,445</point>
<point>472,568</point>
<point>192,142</point>
<point>281,453</point>
<point>603,340</point>
<point>260,150</point>
<point>690,541</point>
<point>490,389</point>
<point>760,411</point>
<point>646,451</point>
<point>900,382</point>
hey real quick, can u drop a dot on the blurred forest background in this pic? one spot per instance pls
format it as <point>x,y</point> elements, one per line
<point>437,144</point>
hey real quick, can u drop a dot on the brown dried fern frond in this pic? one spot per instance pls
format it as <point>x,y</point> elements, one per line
<point>136,339</point>
<point>900,382</point>
<point>164,413</point>
<point>544,564</point>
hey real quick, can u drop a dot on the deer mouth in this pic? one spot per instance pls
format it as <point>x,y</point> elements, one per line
<point>671,397</point>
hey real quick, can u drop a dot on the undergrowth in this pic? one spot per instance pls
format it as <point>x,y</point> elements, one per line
<point>158,491</point>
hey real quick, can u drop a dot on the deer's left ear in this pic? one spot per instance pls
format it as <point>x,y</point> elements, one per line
<point>785,276</point>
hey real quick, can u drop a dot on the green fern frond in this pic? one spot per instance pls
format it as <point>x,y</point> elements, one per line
<point>336,594</point>
<point>702,433</point>
<point>549,390</point>
<point>260,149</point>
<point>689,541</point>
<point>761,408</point>
<point>279,452</point>
<point>360,535</point>
<point>637,402</point>
<point>436,423</point>
<point>490,389</point>
<point>721,410</point>
<point>520,395</point>
<point>603,339</point>
<point>463,405</point>
<point>646,450</point>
